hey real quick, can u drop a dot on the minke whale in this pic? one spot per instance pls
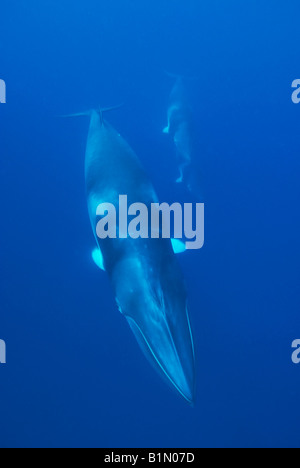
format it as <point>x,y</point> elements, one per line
<point>180,125</point>
<point>145,275</point>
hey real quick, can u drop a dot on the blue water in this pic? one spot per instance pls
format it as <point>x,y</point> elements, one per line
<point>74,374</point>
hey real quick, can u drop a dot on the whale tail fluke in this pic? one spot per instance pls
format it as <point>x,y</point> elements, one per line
<point>175,76</point>
<point>77,114</point>
<point>103,110</point>
<point>100,110</point>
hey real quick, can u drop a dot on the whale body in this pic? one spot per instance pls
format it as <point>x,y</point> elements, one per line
<point>180,125</point>
<point>147,281</point>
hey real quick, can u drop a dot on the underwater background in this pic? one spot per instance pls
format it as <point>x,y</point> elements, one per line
<point>75,375</point>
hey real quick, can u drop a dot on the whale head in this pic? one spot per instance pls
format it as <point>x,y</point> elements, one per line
<point>155,305</point>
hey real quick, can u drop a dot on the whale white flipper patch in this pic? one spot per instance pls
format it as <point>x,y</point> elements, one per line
<point>178,246</point>
<point>98,258</point>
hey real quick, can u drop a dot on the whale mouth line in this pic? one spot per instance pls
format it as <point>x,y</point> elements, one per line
<point>189,400</point>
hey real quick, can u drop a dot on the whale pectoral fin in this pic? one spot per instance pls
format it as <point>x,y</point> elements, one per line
<point>166,130</point>
<point>178,246</point>
<point>98,258</point>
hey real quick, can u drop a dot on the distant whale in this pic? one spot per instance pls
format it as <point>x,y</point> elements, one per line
<point>147,281</point>
<point>180,125</point>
